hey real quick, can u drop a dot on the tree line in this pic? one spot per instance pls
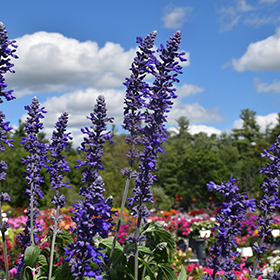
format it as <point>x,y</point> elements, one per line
<point>187,165</point>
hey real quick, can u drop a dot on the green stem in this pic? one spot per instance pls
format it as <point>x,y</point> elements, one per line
<point>137,234</point>
<point>4,248</point>
<point>119,257</point>
<point>53,242</point>
<point>119,220</point>
<point>31,211</point>
<point>31,219</point>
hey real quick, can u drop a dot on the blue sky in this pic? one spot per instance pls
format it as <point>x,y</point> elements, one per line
<point>72,51</point>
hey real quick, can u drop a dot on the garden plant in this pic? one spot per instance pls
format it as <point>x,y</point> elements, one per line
<point>90,247</point>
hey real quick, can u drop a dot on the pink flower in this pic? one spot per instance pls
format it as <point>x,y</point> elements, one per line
<point>13,272</point>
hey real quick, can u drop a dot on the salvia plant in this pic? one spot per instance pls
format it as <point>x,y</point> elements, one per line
<point>90,250</point>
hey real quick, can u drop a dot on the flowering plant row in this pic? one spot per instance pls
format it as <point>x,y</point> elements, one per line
<point>87,251</point>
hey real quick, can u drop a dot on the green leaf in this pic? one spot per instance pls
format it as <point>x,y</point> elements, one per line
<point>31,255</point>
<point>147,277</point>
<point>183,274</point>
<point>64,237</point>
<point>148,269</point>
<point>25,274</point>
<point>144,249</point>
<point>43,262</point>
<point>164,236</point>
<point>64,272</point>
<point>108,242</point>
<point>167,271</point>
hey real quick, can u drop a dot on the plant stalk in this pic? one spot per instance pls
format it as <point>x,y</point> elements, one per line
<point>119,220</point>
<point>53,242</point>
<point>4,248</point>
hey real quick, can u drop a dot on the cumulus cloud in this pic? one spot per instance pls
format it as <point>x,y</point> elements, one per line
<point>194,112</point>
<point>79,104</point>
<point>274,87</point>
<point>52,62</point>
<point>263,122</point>
<point>209,130</point>
<point>175,17</point>
<point>188,89</point>
<point>195,129</point>
<point>262,55</point>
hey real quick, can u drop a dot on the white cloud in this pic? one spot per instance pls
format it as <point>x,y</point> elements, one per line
<point>257,21</point>
<point>195,129</point>
<point>260,56</point>
<point>79,105</point>
<point>243,6</point>
<point>274,87</point>
<point>194,112</point>
<point>52,62</point>
<point>188,89</point>
<point>228,18</point>
<point>175,17</point>
<point>263,122</point>
<point>209,130</point>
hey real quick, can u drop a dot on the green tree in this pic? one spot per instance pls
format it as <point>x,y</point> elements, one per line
<point>199,167</point>
<point>249,134</point>
<point>275,132</point>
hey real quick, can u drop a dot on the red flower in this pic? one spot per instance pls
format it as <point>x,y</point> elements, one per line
<point>210,198</point>
<point>194,199</point>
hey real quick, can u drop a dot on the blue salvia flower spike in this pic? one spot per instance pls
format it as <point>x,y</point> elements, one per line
<point>7,51</point>
<point>58,168</point>
<point>35,161</point>
<point>269,201</point>
<point>232,211</point>
<point>93,215</point>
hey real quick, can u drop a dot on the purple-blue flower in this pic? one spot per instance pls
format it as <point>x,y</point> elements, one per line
<point>93,215</point>
<point>136,90</point>
<point>57,166</point>
<point>157,103</point>
<point>7,51</point>
<point>269,201</point>
<point>232,211</point>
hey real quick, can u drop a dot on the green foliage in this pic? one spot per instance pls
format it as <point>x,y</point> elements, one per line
<point>198,168</point>
<point>154,257</point>
<point>161,200</point>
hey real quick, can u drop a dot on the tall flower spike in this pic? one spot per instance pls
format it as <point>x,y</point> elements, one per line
<point>58,168</point>
<point>269,201</point>
<point>233,211</point>
<point>159,101</point>
<point>154,132</point>
<point>35,161</point>
<point>6,53</point>
<point>136,90</point>
<point>93,143</point>
<point>93,215</point>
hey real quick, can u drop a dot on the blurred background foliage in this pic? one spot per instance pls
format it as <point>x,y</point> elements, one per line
<point>188,164</point>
